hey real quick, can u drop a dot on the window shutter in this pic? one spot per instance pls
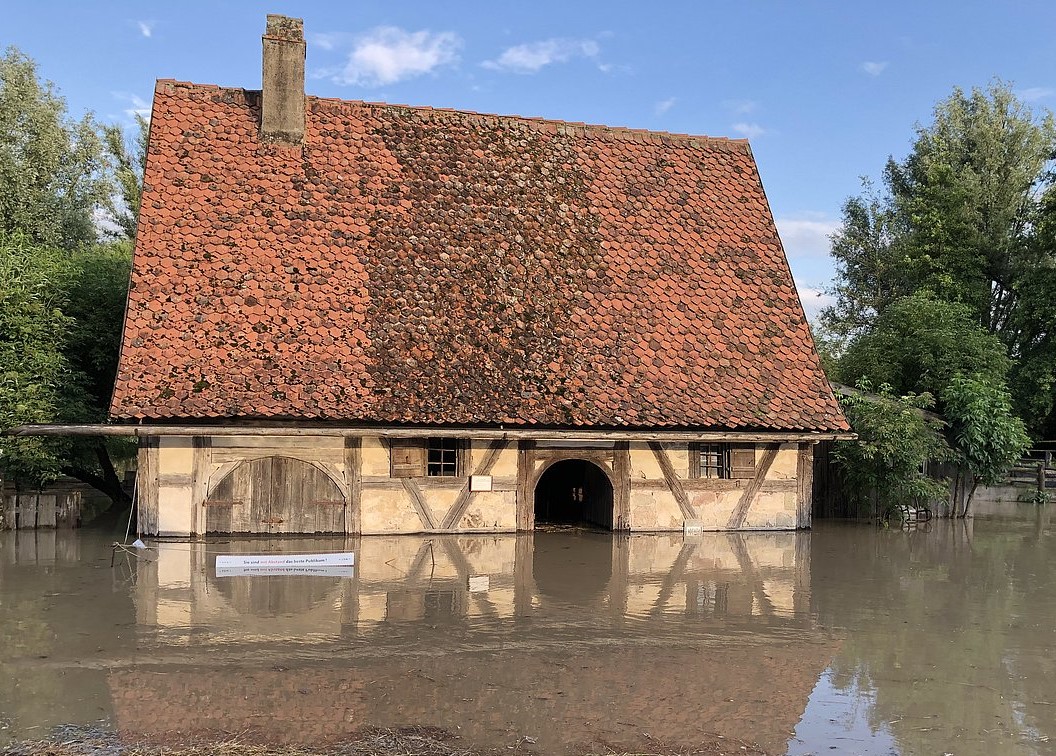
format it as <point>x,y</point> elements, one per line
<point>407,458</point>
<point>742,462</point>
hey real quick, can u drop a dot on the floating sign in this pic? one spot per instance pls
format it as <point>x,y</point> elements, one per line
<point>333,570</point>
<point>340,564</point>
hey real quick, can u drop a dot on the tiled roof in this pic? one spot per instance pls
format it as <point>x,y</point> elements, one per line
<point>411,265</point>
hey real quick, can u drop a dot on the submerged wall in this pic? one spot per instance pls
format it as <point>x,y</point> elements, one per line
<point>334,484</point>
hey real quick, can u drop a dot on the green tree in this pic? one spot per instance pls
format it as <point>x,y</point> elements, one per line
<point>969,194</point>
<point>870,270</point>
<point>129,157</point>
<point>986,438</point>
<point>918,343</point>
<point>897,437</point>
<point>967,217</point>
<point>54,175</point>
<point>60,180</point>
<point>36,382</point>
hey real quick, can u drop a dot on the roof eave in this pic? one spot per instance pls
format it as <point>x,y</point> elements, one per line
<point>395,431</point>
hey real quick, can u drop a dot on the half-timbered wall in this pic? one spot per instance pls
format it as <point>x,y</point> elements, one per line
<point>332,484</point>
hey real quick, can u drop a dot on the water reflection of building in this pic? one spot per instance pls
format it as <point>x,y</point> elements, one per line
<point>564,637</point>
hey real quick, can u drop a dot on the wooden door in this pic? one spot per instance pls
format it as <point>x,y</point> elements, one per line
<point>275,495</point>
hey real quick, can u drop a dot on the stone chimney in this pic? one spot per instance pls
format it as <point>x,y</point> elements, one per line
<point>282,95</point>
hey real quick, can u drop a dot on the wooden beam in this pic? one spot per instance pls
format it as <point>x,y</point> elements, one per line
<point>740,512</point>
<point>805,478</point>
<point>525,496</point>
<point>354,479</point>
<point>410,485</point>
<point>673,483</point>
<point>458,509</point>
<point>621,498</point>
<point>309,429</point>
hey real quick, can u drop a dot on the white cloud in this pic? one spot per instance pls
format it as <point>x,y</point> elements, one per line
<point>329,41</point>
<point>807,236</point>
<point>136,105</point>
<point>533,56</point>
<point>146,28</point>
<point>749,130</point>
<point>388,54</point>
<point>1032,94</point>
<point>741,107</point>
<point>814,300</point>
<point>874,67</point>
<point>665,105</point>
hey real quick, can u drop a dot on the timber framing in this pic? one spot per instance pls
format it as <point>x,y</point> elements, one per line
<point>496,434</point>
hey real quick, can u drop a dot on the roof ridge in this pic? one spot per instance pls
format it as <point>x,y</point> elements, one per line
<point>553,124</point>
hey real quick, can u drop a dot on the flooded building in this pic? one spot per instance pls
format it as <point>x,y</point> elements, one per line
<point>366,318</point>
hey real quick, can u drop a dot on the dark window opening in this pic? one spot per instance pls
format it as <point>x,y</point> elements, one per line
<point>443,457</point>
<point>714,460</point>
<point>574,492</point>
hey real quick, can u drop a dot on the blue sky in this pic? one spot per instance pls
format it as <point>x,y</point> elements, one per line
<point>825,91</point>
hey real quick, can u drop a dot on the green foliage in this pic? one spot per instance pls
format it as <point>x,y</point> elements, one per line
<point>869,268</point>
<point>896,439</point>
<point>62,297</point>
<point>129,160</point>
<point>967,218</point>
<point>36,382</point>
<point>986,438</point>
<point>53,171</point>
<point>969,193</point>
<point>918,343</point>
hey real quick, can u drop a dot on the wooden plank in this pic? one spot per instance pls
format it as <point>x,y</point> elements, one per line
<point>354,476</point>
<point>621,494</point>
<point>740,512</point>
<point>742,461</point>
<point>307,429</point>
<point>46,510</point>
<point>410,485</point>
<point>525,497</point>
<point>805,479</point>
<point>200,465</point>
<point>26,511</point>
<point>465,496</point>
<point>147,487</point>
<point>673,483</point>
<point>406,458</point>
<point>7,512</point>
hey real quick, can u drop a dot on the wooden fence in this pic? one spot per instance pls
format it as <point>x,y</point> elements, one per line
<point>1035,469</point>
<point>29,511</point>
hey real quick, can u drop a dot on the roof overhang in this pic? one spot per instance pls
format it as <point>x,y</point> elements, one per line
<point>353,431</point>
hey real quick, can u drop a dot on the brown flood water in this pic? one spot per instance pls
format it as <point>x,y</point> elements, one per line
<point>842,640</point>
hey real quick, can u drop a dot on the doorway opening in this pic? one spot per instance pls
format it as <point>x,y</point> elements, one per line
<point>574,492</point>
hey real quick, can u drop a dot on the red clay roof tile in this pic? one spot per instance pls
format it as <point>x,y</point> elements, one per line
<point>412,265</point>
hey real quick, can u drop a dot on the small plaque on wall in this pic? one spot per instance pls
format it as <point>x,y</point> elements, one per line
<point>479,482</point>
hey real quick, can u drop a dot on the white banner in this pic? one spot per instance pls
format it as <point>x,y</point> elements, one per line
<point>337,564</point>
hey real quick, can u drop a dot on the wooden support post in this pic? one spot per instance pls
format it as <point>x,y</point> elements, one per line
<point>525,496</point>
<point>354,479</point>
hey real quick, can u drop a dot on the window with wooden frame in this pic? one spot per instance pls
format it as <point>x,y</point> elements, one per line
<point>736,461</point>
<point>432,457</point>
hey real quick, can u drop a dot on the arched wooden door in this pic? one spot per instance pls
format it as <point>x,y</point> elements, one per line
<point>275,495</point>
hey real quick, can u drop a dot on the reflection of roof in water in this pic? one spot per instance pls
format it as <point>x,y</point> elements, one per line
<point>755,690</point>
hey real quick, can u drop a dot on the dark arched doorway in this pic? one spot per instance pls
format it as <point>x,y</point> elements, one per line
<point>574,492</point>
